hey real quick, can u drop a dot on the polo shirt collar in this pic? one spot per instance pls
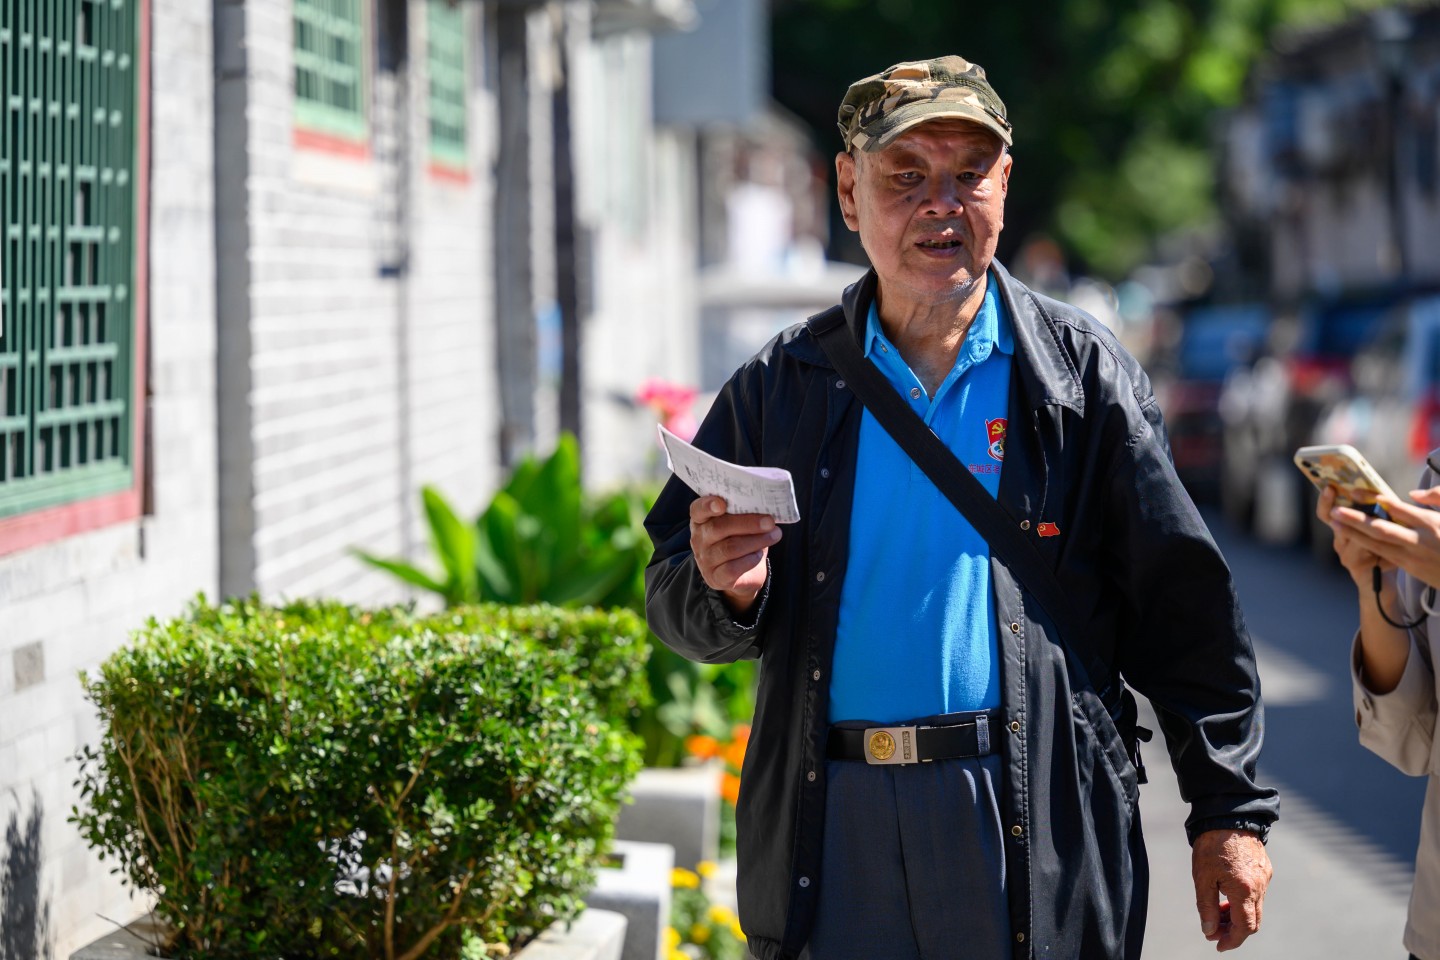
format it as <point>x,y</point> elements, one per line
<point>989,332</point>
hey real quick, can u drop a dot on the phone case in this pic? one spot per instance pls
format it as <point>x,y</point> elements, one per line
<point>1343,467</point>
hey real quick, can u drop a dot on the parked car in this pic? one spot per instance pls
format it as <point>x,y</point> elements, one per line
<point>1392,413</point>
<point>1274,407</point>
<point>1212,341</point>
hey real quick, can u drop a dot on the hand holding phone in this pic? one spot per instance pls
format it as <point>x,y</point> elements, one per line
<point>1410,541</point>
<point>1340,466</point>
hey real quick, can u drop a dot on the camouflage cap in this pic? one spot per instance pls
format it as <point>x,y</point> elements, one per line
<point>878,109</point>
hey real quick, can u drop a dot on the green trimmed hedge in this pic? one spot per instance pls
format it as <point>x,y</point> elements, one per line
<point>317,780</point>
<point>542,540</point>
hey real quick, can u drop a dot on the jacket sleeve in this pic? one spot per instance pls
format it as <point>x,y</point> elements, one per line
<point>1399,726</point>
<point>1183,641</point>
<point>683,611</point>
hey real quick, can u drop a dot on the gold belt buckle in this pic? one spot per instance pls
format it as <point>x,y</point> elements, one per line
<point>890,745</point>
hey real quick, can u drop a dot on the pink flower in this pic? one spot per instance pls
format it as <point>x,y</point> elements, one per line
<point>683,426</point>
<point>665,398</point>
<point>671,403</point>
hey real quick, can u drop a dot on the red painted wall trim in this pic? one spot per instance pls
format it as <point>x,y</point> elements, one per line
<point>448,174</point>
<point>329,143</point>
<point>44,526</point>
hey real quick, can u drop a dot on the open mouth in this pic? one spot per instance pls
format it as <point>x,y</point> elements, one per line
<point>940,244</point>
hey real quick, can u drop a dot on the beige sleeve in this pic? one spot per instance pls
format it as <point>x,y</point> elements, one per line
<point>1399,726</point>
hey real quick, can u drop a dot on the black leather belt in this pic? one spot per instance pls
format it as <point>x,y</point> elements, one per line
<point>899,745</point>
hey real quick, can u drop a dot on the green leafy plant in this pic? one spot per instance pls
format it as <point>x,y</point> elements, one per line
<point>691,698</point>
<point>1117,139</point>
<point>321,781</point>
<point>539,541</point>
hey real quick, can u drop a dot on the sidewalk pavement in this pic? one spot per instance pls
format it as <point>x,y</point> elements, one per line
<point>1334,895</point>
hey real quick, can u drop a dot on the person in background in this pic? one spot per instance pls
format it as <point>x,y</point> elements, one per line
<point>1392,664</point>
<point>1016,833</point>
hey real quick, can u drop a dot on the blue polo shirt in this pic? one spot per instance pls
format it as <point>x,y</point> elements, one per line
<point>917,633</point>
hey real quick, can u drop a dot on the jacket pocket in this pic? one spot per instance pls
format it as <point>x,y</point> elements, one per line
<point>1084,888</point>
<point>1107,746</point>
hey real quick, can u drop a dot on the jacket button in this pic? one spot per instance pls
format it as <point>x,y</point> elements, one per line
<point>1017,830</point>
<point>1019,938</point>
<point>839,384</point>
<point>804,881</point>
<point>1014,628</point>
<point>820,577</point>
<point>810,776</point>
<point>914,393</point>
<point>1024,525</point>
<point>815,675</point>
<point>1014,726</point>
<point>824,473</point>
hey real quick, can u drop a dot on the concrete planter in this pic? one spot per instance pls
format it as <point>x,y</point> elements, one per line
<point>679,806</point>
<point>594,935</point>
<point>132,943</point>
<point>639,888</point>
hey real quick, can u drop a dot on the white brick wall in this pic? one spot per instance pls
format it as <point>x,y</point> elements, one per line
<point>454,399</point>
<point>638,190</point>
<point>352,387</point>
<point>322,322</point>
<point>78,598</point>
<point>364,386</point>
<point>322,329</point>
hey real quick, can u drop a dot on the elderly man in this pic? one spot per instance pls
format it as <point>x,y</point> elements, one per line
<point>1015,833</point>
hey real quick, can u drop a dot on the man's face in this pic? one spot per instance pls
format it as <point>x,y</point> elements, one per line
<point>929,207</point>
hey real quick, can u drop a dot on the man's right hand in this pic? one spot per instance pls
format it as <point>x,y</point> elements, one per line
<point>730,550</point>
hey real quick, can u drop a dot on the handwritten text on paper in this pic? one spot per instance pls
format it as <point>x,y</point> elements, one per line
<point>745,489</point>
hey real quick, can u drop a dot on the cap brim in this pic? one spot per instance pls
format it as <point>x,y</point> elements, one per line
<point>881,135</point>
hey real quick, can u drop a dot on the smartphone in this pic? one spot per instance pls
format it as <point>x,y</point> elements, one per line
<point>1356,483</point>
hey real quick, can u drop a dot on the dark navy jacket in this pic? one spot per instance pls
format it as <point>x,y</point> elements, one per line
<point>1086,452</point>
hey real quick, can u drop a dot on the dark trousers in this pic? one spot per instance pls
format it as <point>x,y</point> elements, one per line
<point>913,866</point>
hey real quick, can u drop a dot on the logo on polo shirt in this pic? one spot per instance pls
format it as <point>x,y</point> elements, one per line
<point>995,433</point>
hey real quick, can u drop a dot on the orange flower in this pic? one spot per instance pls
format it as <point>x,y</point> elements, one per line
<point>702,746</point>
<point>741,733</point>
<point>730,788</point>
<point>735,754</point>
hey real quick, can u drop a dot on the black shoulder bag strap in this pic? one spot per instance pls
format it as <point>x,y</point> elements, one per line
<point>973,501</point>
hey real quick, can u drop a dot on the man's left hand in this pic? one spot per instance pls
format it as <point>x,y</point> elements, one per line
<point>1231,871</point>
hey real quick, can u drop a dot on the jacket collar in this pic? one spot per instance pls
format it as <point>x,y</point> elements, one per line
<point>1047,374</point>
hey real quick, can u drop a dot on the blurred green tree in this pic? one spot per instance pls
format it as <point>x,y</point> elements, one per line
<point>1112,100</point>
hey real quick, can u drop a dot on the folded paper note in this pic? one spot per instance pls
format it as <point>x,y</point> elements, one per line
<point>745,489</point>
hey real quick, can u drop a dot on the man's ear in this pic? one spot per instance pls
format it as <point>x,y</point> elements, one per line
<point>845,177</point>
<point>1005,165</point>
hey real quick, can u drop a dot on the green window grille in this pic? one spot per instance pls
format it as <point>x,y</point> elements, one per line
<point>330,67</point>
<point>68,84</point>
<point>445,42</point>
